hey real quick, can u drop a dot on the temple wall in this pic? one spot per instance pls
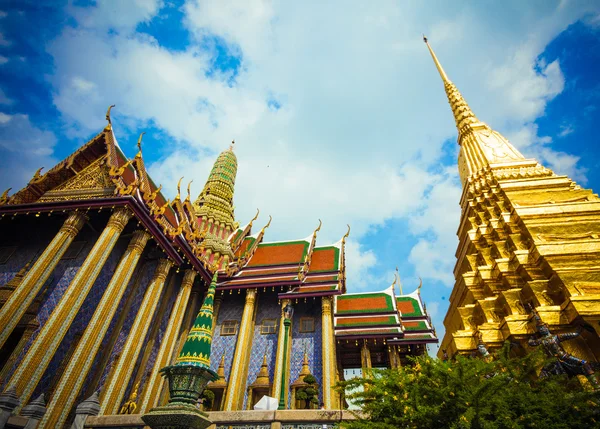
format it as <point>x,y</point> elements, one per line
<point>85,313</point>
<point>268,308</point>
<point>51,294</point>
<point>231,309</point>
<point>309,341</point>
<point>170,295</point>
<point>29,240</point>
<point>147,270</point>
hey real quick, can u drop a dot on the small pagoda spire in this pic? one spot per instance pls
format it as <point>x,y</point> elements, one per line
<point>196,350</point>
<point>263,373</point>
<point>221,369</point>
<point>463,115</point>
<point>305,369</point>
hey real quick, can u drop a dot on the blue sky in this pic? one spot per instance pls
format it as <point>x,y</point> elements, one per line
<point>337,110</point>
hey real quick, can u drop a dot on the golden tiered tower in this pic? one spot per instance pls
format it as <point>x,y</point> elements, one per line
<point>528,239</point>
<point>214,208</point>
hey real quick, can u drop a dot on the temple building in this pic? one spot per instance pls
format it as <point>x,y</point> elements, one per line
<point>528,252</point>
<point>102,278</point>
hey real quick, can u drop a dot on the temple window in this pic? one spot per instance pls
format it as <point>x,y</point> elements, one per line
<point>229,327</point>
<point>268,326</point>
<point>74,250</point>
<point>6,252</point>
<point>307,324</point>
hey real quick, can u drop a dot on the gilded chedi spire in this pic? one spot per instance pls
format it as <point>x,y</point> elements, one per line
<point>197,346</point>
<point>481,146</point>
<point>215,211</point>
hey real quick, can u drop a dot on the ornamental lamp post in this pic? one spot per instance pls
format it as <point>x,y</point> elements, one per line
<point>288,312</point>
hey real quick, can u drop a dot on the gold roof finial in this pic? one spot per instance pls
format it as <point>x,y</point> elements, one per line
<point>463,115</point>
<point>420,285</point>
<point>139,143</point>
<point>232,144</point>
<point>189,197</point>
<point>397,282</point>
<point>267,225</point>
<point>4,197</point>
<point>319,227</point>
<point>254,218</point>
<point>179,188</point>
<point>108,114</point>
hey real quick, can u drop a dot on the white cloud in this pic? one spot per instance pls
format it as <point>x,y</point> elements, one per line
<point>117,15</point>
<point>535,146</point>
<point>23,149</point>
<point>3,60</point>
<point>4,98</point>
<point>565,130</point>
<point>3,41</point>
<point>363,114</point>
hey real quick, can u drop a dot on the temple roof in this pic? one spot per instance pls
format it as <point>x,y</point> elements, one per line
<point>383,314</point>
<point>99,175</point>
<point>298,268</point>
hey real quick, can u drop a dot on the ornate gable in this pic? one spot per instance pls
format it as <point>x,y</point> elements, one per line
<point>92,182</point>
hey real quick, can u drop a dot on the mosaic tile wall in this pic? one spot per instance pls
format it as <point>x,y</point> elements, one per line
<point>171,296</point>
<point>147,272</point>
<point>85,313</point>
<point>267,308</point>
<point>309,341</point>
<point>231,309</point>
<point>28,248</point>
<point>53,290</point>
<point>137,286</point>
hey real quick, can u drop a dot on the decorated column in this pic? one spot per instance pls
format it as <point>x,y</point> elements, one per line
<point>239,370</point>
<point>394,357</point>
<point>365,359</point>
<point>329,371</point>
<point>22,297</point>
<point>115,387</point>
<point>155,382</point>
<point>282,358</point>
<point>218,300</point>
<point>75,374</point>
<point>189,376</point>
<point>39,355</point>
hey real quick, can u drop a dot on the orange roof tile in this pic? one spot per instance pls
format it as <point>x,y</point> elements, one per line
<point>279,253</point>
<point>325,259</point>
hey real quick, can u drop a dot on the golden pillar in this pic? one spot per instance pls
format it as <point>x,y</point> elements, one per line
<point>39,355</point>
<point>328,347</point>
<point>394,356</point>
<point>22,297</point>
<point>365,359</point>
<point>216,308</point>
<point>75,374</point>
<point>155,382</point>
<point>280,356</point>
<point>115,387</point>
<point>241,357</point>
<point>163,308</point>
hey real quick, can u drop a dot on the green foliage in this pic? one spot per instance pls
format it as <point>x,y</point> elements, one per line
<point>208,396</point>
<point>309,394</point>
<point>472,393</point>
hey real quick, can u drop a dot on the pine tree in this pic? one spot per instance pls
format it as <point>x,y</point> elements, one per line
<point>309,394</point>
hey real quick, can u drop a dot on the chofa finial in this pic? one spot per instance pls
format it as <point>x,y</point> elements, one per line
<point>189,189</point>
<point>179,188</point>
<point>139,143</point>
<point>108,114</point>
